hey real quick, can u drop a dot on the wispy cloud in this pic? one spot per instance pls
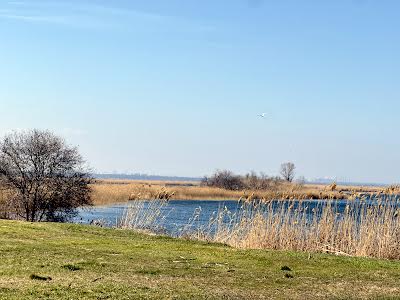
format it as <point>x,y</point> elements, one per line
<point>35,18</point>
<point>82,14</point>
<point>50,13</point>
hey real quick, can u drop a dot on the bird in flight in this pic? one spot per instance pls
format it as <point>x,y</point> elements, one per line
<point>262,115</point>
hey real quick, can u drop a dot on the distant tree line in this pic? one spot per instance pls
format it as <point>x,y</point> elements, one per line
<point>146,177</point>
<point>228,180</point>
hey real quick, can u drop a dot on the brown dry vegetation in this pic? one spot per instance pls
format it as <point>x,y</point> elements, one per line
<point>5,206</point>
<point>118,191</point>
<point>106,192</point>
<point>360,228</point>
<point>366,230</point>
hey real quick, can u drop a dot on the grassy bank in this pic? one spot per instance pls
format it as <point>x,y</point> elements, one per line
<point>116,191</point>
<point>63,261</point>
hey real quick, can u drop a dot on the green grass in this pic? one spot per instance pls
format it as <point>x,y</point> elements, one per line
<point>64,261</point>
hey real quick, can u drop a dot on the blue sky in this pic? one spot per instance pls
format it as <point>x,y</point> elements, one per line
<point>174,87</point>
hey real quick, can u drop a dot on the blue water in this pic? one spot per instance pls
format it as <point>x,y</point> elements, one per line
<point>177,214</point>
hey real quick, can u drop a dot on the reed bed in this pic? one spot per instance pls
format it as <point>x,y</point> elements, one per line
<point>108,193</point>
<point>365,228</point>
<point>144,216</point>
<point>119,191</point>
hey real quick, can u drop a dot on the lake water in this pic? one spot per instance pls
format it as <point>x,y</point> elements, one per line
<point>177,214</point>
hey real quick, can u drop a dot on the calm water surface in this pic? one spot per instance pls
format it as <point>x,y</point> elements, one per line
<point>178,213</point>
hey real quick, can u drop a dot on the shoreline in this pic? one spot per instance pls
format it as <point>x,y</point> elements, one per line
<point>121,191</point>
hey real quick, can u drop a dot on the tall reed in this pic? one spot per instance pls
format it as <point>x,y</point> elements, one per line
<point>363,227</point>
<point>145,216</point>
<point>370,229</point>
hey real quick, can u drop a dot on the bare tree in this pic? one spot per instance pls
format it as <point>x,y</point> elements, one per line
<point>47,177</point>
<point>287,171</point>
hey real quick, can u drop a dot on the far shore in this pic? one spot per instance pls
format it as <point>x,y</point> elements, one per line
<point>113,191</point>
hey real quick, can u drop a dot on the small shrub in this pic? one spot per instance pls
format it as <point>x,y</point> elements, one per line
<point>224,179</point>
<point>251,181</point>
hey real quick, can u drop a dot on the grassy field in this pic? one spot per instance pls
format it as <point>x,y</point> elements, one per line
<point>117,191</point>
<point>64,261</point>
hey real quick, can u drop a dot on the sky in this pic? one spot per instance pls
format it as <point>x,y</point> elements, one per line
<point>175,87</point>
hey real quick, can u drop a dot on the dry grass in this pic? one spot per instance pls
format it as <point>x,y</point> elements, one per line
<point>108,192</point>
<point>119,191</point>
<point>143,216</point>
<point>363,229</point>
